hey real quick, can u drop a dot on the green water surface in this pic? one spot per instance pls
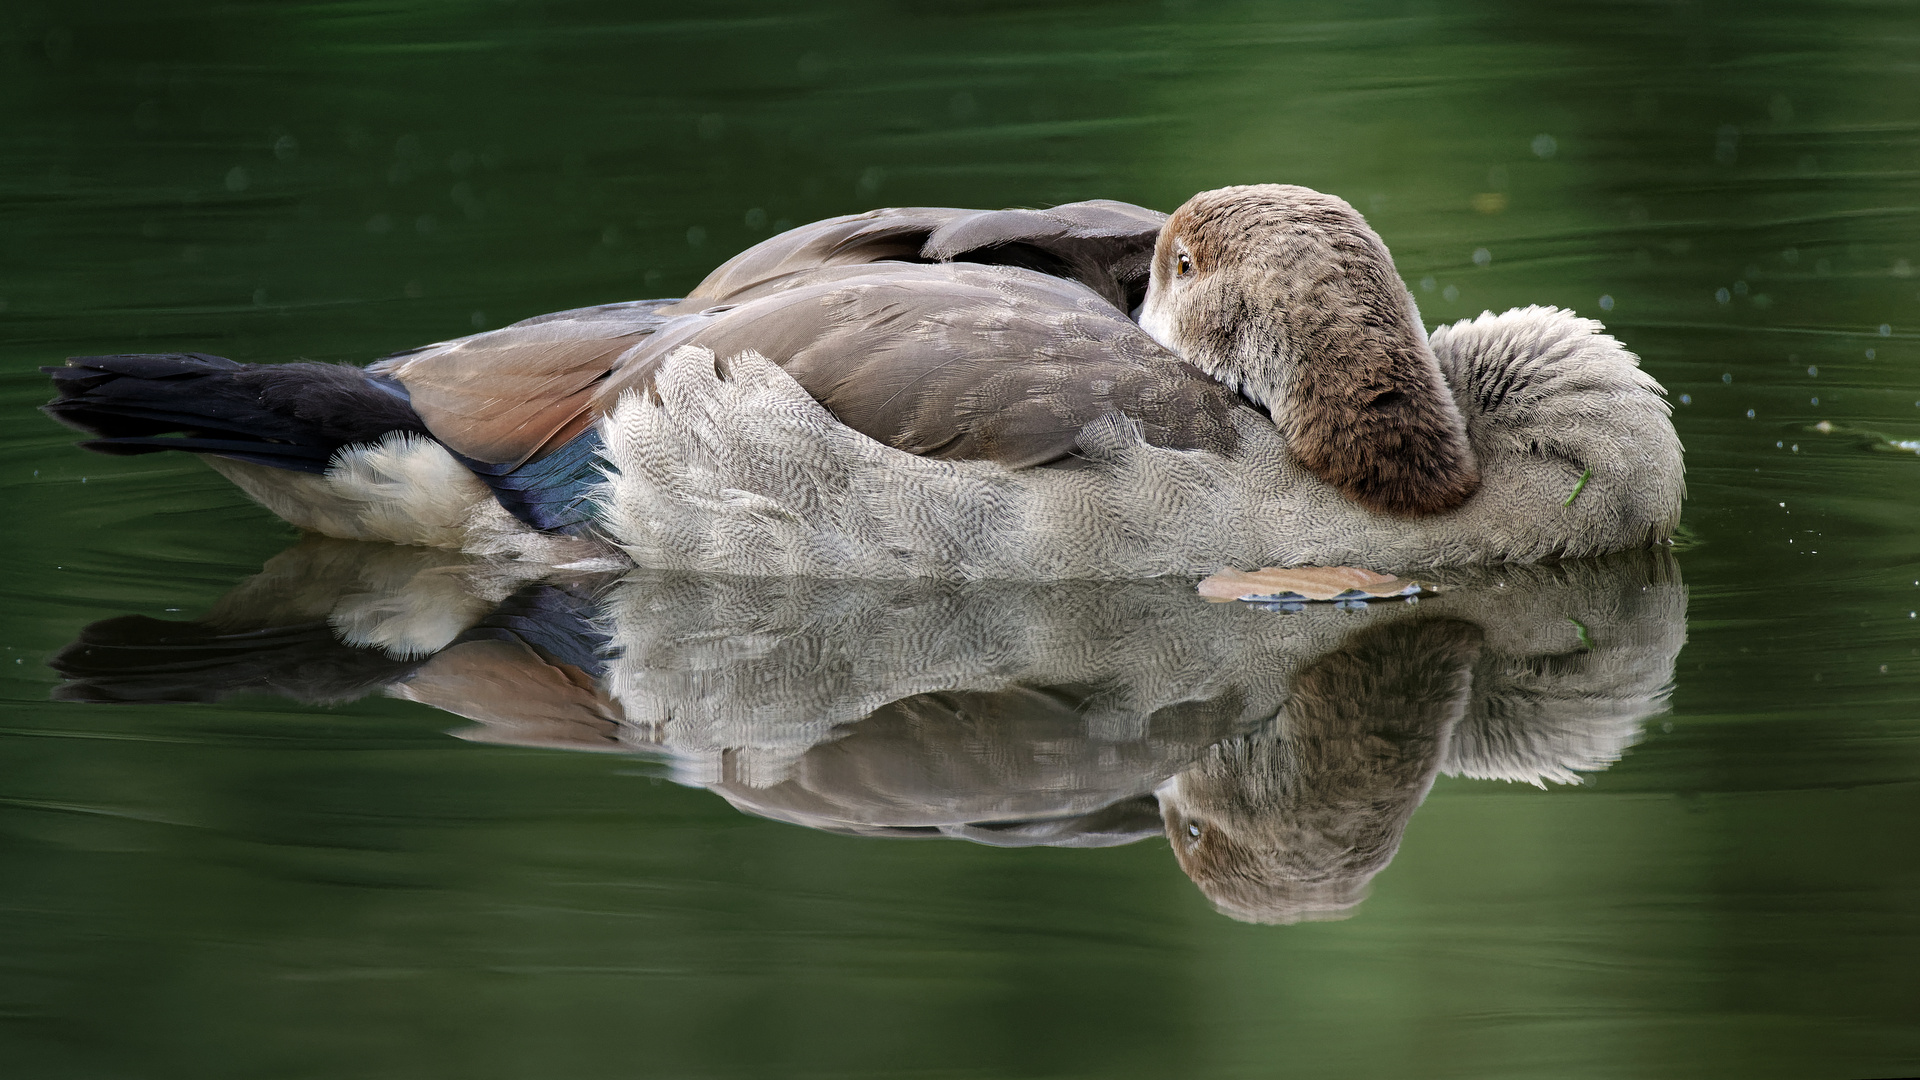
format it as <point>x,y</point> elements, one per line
<point>258,888</point>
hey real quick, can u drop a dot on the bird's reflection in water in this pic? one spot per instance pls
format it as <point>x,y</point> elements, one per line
<point>1282,754</point>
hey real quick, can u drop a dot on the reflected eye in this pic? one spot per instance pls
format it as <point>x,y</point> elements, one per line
<point>1183,266</point>
<point>1193,829</point>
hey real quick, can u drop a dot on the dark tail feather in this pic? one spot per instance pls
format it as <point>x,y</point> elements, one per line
<point>290,416</point>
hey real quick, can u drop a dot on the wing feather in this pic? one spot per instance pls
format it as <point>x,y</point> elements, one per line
<point>511,394</point>
<point>959,361</point>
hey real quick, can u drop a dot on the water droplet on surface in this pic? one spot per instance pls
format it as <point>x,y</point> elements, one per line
<point>1723,296</point>
<point>1726,144</point>
<point>1450,294</point>
<point>1544,146</point>
<point>1427,284</point>
<point>1606,302</point>
<point>1886,330</point>
<point>1482,257</point>
<point>1687,399</point>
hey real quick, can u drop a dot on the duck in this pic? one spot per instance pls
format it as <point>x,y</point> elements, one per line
<point>1092,391</point>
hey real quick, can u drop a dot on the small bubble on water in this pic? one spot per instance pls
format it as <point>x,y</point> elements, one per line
<point>1482,257</point>
<point>1814,401</point>
<point>1687,399</point>
<point>1723,296</point>
<point>1871,354</point>
<point>1812,371</point>
<point>1450,294</point>
<point>1727,378</point>
<point>1739,288</point>
<point>1886,330</point>
<point>237,179</point>
<point>1606,302</point>
<point>1749,414</point>
<point>1544,146</point>
<point>1427,284</point>
<point>696,236</point>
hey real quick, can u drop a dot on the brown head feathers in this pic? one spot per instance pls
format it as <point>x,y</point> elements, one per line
<point>1287,295</point>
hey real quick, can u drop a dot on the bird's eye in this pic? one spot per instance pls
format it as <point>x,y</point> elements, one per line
<point>1193,829</point>
<point>1183,266</point>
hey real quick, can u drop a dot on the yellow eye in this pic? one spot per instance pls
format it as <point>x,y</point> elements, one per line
<point>1183,266</point>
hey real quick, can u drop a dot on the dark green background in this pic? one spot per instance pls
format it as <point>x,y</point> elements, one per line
<point>258,889</point>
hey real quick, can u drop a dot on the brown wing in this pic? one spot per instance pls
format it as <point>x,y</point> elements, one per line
<point>1105,245</point>
<point>959,361</point>
<point>511,394</point>
<point>955,361</point>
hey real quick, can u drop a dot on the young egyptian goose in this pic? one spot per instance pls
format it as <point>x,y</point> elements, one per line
<point>962,394</point>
